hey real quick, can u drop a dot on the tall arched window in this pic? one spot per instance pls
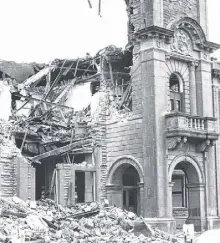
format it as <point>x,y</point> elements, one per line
<point>175,93</point>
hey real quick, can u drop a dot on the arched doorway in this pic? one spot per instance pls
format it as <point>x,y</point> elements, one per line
<point>125,185</point>
<point>187,193</point>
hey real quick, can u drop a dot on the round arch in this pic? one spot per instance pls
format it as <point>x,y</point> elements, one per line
<point>191,26</point>
<point>129,160</point>
<point>180,79</point>
<point>193,167</point>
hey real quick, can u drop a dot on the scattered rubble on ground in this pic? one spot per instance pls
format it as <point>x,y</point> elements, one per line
<point>43,221</point>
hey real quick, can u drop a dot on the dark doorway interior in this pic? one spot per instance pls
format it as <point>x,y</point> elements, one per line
<point>40,180</point>
<point>80,187</point>
<point>130,189</point>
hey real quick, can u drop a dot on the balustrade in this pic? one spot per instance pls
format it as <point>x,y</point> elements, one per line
<point>180,123</point>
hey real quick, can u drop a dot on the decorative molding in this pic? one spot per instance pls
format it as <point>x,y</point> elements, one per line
<point>193,64</point>
<point>182,43</point>
<point>155,32</point>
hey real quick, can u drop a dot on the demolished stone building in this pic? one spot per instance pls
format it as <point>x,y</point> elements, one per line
<point>139,127</point>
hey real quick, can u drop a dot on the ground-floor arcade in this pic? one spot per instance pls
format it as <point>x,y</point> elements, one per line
<point>187,190</point>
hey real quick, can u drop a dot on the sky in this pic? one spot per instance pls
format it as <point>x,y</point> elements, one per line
<point>42,30</point>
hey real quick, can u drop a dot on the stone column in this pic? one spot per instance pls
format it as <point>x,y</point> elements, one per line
<point>192,85</point>
<point>196,205</point>
<point>140,209</point>
<point>171,184</point>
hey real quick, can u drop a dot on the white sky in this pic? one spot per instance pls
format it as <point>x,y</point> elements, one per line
<point>41,30</point>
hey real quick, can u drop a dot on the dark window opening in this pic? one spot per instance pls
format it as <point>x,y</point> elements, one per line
<point>179,191</point>
<point>174,83</point>
<point>95,86</point>
<point>79,158</point>
<point>175,94</point>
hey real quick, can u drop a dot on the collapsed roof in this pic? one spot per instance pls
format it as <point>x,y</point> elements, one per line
<point>51,103</point>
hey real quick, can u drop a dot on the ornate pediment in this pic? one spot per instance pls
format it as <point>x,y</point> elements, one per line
<point>187,29</point>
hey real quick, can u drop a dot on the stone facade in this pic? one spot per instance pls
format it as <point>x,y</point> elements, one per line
<point>173,124</point>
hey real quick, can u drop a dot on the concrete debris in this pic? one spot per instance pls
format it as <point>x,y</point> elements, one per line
<point>21,222</point>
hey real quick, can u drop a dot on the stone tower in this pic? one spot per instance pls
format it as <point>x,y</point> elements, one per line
<point>172,92</point>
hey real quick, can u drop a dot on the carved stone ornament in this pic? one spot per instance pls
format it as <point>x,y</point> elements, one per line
<point>174,142</point>
<point>204,147</point>
<point>182,43</point>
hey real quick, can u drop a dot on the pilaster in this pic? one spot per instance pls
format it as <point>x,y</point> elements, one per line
<point>211,182</point>
<point>192,83</point>
<point>154,95</point>
<point>204,89</point>
<point>152,12</point>
<point>171,184</point>
<point>217,145</point>
<point>203,15</point>
<point>196,194</point>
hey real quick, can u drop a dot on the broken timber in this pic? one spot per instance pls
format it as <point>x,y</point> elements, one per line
<point>44,101</point>
<point>72,146</point>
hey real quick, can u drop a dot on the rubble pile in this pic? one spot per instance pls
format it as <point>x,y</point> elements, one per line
<point>45,222</point>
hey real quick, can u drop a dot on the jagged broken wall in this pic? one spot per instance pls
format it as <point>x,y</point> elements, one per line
<point>17,176</point>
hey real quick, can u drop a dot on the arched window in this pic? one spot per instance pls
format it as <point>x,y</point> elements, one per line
<point>175,93</point>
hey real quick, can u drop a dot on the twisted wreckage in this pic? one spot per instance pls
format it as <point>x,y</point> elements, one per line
<point>54,124</point>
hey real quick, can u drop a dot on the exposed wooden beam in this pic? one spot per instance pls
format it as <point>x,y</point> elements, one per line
<point>35,79</point>
<point>46,102</point>
<point>63,149</point>
<point>111,73</point>
<point>22,145</point>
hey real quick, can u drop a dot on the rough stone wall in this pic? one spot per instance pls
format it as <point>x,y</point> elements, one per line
<point>124,138</point>
<point>7,169</point>
<point>135,17</point>
<point>98,132</point>
<point>174,10</point>
<point>136,83</point>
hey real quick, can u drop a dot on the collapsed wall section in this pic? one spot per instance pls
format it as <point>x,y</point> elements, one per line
<point>17,177</point>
